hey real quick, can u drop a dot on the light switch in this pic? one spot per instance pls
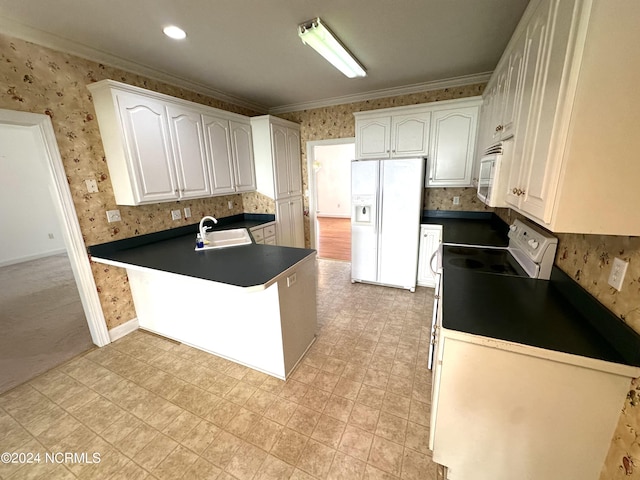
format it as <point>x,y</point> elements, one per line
<point>187,212</point>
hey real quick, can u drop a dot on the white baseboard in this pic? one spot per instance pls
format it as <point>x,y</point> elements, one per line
<point>35,256</point>
<point>124,329</point>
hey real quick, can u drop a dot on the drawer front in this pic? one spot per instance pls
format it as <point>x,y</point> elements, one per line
<point>258,235</point>
<point>270,231</point>
<point>270,240</point>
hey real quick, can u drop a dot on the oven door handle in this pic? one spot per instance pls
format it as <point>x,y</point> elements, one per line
<point>434,256</point>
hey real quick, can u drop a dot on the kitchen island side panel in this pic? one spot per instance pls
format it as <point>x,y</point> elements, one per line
<point>240,325</point>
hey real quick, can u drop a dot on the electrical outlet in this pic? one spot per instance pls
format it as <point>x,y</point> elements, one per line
<point>618,271</point>
<point>187,212</point>
<point>176,214</point>
<point>456,200</point>
<point>291,279</point>
<point>51,236</point>
<point>230,204</point>
<point>113,216</point>
<point>92,186</point>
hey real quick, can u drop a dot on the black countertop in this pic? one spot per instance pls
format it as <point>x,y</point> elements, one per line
<point>555,314</point>
<point>470,228</point>
<point>173,251</point>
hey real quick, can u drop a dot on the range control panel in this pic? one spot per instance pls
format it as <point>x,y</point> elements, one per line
<point>532,240</point>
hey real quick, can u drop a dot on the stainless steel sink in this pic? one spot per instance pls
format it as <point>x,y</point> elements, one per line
<point>226,238</point>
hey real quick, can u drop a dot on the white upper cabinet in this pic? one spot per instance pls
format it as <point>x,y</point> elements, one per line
<point>242,151</point>
<point>161,149</point>
<point>139,153</point>
<point>394,135</point>
<point>443,132</point>
<point>218,141</point>
<point>574,167</point>
<point>373,137</point>
<point>185,128</point>
<point>230,150</point>
<point>277,153</point>
<point>453,139</point>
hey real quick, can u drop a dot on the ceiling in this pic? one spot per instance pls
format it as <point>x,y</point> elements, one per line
<point>248,51</point>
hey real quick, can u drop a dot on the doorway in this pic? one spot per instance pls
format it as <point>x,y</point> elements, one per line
<point>49,308</point>
<point>329,166</point>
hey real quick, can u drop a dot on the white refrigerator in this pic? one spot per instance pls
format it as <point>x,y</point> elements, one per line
<point>386,202</point>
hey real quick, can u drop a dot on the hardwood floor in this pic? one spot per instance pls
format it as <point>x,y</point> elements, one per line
<point>334,238</point>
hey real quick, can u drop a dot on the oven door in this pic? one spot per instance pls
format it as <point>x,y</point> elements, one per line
<point>486,178</point>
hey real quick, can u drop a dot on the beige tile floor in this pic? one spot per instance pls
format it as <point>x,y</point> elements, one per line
<point>356,407</point>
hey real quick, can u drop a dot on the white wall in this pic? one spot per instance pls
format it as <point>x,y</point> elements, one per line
<point>27,215</point>
<point>333,179</point>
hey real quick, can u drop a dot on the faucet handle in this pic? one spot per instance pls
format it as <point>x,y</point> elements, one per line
<point>206,228</point>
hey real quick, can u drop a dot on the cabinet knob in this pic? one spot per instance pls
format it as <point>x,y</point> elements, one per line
<point>499,128</point>
<point>514,191</point>
<point>176,191</point>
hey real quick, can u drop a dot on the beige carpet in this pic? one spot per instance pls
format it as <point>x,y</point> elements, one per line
<point>41,319</point>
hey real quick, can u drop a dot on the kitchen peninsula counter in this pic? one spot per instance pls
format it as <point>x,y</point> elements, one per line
<point>252,304</point>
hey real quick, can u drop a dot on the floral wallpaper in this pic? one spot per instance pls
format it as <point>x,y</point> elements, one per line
<point>442,199</point>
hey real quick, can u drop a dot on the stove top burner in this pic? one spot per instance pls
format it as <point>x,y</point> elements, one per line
<point>485,260</point>
<point>466,263</point>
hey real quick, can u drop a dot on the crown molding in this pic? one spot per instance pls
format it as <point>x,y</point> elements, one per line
<point>24,32</point>
<point>386,92</point>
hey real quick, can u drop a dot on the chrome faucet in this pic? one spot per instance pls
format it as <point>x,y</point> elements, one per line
<point>203,229</point>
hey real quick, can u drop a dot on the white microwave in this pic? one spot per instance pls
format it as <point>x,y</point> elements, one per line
<point>494,174</point>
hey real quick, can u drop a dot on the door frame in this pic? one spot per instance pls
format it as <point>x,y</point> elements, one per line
<point>311,180</point>
<point>65,209</point>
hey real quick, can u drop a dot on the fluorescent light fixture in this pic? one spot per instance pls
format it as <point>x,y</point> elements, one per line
<point>316,34</point>
<point>174,32</point>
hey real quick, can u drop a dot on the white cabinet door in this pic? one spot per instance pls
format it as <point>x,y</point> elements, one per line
<point>280,160</point>
<point>290,222</point>
<point>217,139</point>
<point>410,135</point>
<point>185,127</point>
<point>430,238</point>
<point>513,89</point>
<point>148,146</point>
<point>530,177</point>
<point>453,141</point>
<point>373,138</point>
<point>293,160</point>
<point>242,149</point>
<point>297,221</point>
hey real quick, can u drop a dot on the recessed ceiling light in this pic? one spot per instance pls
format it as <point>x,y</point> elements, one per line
<point>174,32</point>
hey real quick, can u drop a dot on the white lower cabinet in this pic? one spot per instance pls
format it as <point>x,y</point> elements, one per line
<point>504,411</point>
<point>430,238</point>
<point>264,234</point>
<point>290,222</point>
